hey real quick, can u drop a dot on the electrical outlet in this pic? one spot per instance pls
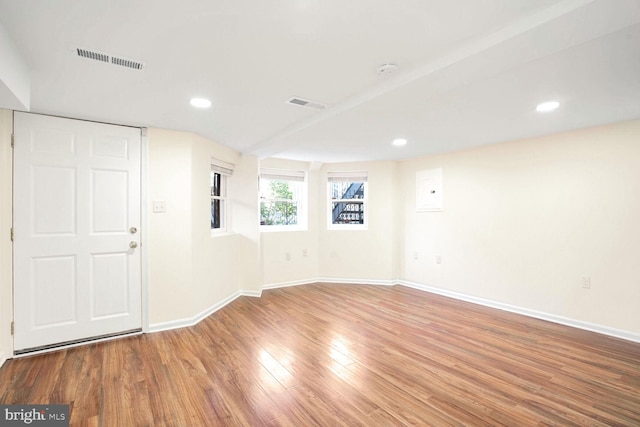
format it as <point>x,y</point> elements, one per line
<point>287,256</point>
<point>586,282</point>
<point>438,259</point>
<point>416,255</point>
<point>304,252</point>
<point>159,206</point>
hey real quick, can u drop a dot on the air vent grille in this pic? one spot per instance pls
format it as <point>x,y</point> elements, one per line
<point>306,103</point>
<point>109,58</point>
<point>92,55</point>
<point>127,63</point>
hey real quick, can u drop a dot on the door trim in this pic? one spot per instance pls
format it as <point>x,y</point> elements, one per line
<point>144,225</point>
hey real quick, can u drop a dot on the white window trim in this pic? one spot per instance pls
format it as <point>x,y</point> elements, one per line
<point>288,175</point>
<point>348,177</point>
<point>225,170</point>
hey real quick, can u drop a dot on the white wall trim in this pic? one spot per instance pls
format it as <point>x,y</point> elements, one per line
<point>605,330</point>
<point>379,282</point>
<point>291,283</point>
<point>3,358</point>
<point>330,280</point>
<point>191,321</point>
<point>252,294</point>
<point>144,226</point>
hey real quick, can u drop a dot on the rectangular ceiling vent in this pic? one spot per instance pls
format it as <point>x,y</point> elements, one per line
<point>306,103</point>
<point>96,56</point>
<point>108,58</point>
<point>129,63</point>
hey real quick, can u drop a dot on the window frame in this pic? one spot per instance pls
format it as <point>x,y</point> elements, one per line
<point>224,171</point>
<point>292,176</point>
<point>348,177</point>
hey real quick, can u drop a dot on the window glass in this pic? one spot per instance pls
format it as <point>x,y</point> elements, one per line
<point>218,201</point>
<point>347,200</point>
<point>282,198</point>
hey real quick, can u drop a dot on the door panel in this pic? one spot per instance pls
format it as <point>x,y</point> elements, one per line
<point>76,196</point>
<point>54,197</point>
<point>53,291</point>
<point>109,285</point>
<point>109,209</point>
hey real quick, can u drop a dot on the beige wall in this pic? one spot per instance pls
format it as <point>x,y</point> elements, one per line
<point>368,255</point>
<point>189,269</point>
<point>343,255</point>
<point>524,222</point>
<point>277,267</point>
<point>169,248</point>
<point>246,222</point>
<point>6,293</point>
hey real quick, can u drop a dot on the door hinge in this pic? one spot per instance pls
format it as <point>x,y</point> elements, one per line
<point>13,140</point>
<point>12,234</point>
<point>13,329</point>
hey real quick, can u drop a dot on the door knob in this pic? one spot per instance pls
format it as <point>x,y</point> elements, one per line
<point>133,245</point>
<point>133,230</point>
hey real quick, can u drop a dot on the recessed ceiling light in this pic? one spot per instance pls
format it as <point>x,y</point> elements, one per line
<point>200,102</point>
<point>399,142</point>
<point>545,107</point>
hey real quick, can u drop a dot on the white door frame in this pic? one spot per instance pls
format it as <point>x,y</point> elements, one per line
<point>6,218</point>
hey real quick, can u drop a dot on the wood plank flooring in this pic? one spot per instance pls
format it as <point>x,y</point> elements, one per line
<point>342,355</point>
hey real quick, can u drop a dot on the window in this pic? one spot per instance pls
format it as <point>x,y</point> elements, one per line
<point>220,172</point>
<point>348,200</point>
<point>282,200</point>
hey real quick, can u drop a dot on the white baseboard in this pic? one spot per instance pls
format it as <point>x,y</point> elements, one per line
<point>288,284</point>
<point>3,358</point>
<point>380,282</point>
<point>331,280</point>
<point>253,294</point>
<point>182,323</point>
<point>626,335</point>
<point>191,321</point>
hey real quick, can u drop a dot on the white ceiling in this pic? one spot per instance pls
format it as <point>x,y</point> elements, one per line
<point>470,71</point>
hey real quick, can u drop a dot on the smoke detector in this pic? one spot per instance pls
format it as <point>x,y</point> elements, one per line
<point>387,69</point>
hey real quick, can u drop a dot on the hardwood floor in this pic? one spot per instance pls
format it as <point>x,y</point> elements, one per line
<point>342,355</point>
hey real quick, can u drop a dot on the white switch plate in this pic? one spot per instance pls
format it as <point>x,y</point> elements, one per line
<point>159,206</point>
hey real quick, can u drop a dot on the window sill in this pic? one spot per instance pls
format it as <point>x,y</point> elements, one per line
<point>277,229</point>
<point>215,233</point>
<point>348,228</point>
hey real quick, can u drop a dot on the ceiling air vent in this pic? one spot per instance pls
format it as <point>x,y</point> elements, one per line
<point>92,55</point>
<point>108,58</point>
<point>306,103</point>
<point>136,65</point>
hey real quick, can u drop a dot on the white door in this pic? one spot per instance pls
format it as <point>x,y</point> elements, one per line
<point>76,230</point>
